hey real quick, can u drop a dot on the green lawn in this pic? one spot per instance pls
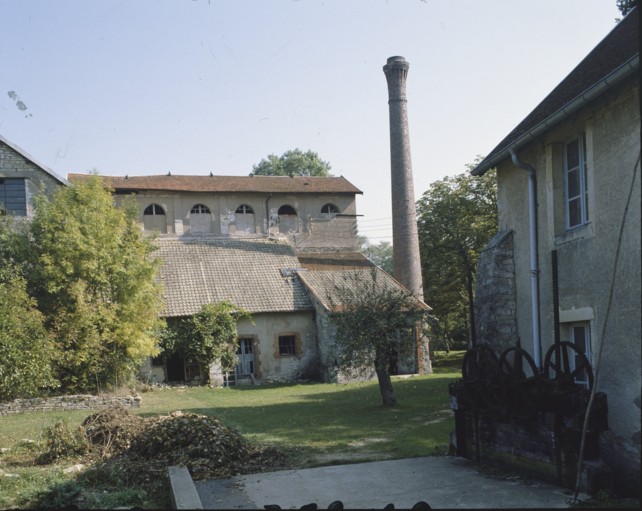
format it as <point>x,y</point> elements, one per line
<point>320,423</point>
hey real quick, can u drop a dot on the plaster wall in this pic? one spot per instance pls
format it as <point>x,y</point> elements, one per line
<point>308,228</point>
<point>586,254</point>
<point>269,366</point>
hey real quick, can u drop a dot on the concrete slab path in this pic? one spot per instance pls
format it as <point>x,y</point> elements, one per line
<point>443,482</point>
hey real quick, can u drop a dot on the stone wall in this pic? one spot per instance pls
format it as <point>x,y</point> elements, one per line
<point>15,165</point>
<point>78,402</point>
<point>495,307</point>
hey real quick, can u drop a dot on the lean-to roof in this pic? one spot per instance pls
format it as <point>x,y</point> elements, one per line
<point>253,274</point>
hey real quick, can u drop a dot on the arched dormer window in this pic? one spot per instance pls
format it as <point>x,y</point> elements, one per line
<point>200,209</point>
<point>154,209</point>
<point>154,219</point>
<point>329,209</point>
<point>287,210</point>
<point>244,209</point>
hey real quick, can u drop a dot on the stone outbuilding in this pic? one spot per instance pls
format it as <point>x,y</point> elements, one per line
<point>21,178</point>
<point>253,240</point>
<point>259,275</point>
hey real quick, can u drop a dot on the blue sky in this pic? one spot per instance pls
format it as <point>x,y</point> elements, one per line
<point>200,86</point>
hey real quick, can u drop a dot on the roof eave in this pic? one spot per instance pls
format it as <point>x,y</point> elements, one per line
<point>616,76</point>
<point>24,154</point>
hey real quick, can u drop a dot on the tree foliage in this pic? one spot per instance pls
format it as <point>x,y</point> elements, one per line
<point>292,163</point>
<point>456,217</point>
<point>208,336</point>
<point>93,275</point>
<point>26,350</point>
<point>625,6</point>
<point>380,254</point>
<point>375,325</point>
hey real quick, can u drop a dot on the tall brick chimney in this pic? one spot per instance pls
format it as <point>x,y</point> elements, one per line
<point>405,240</point>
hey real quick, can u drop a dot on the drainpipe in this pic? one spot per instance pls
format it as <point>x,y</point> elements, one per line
<point>534,268</point>
<point>267,216</point>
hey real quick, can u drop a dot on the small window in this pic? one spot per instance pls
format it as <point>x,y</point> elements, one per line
<point>158,361</point>
<point>287,345</point>
<point>244,209</point>
<point>575,183</point>
<point>287,210</point>
<point>13,197</point>
<point>153,210</point>
<point>200,209</point>
<point>329,208</point>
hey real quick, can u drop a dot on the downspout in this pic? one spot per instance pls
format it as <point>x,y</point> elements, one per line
<point>267,215</point>
<point>534,268</point>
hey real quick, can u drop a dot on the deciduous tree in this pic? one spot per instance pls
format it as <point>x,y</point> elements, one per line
<point>26,350</point>
<point>380,254</point>
<point>93,274</point>
<point>456,217</point>
<point>292,163</point>
<point>375,324</point>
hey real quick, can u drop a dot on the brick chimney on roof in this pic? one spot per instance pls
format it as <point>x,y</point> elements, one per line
<point>405,240</point>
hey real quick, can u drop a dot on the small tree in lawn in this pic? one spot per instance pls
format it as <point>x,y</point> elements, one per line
<point>375,323</point>
<point>208,336</point>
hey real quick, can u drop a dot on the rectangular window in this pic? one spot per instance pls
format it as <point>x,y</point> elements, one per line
<point>575,183</point>
<point>13,196</point>
<point>579,335</point>
<point>287,345</point>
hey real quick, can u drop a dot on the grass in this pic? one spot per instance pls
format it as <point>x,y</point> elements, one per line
<point>320,424</point>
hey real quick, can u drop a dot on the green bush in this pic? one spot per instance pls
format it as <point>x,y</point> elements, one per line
<point>62,442</point>
<point>25,347</point>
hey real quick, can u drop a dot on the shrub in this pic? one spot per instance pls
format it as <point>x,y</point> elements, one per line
<point>61,442</point>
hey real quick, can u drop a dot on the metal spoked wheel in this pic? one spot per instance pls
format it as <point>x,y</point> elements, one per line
<point>523,382</point>
<point>482,376</point>
<point>568,365</point>
<point>517,364</point>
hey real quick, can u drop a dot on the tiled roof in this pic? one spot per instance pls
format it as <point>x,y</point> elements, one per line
<point>323,284</point>
<point>196,271</point>
<point>227,184</point>
<point>616,56</point>
<point>333,261</point>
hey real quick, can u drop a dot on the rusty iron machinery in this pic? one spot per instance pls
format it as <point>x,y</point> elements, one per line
<point>511,385</point>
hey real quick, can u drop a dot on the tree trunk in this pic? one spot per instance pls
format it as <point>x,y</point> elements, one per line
<point>385,384</point>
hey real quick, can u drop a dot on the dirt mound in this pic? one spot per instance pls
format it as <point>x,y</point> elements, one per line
<point>208,448</point>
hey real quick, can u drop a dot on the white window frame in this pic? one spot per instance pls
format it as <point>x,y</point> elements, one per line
<point>582,193</point>
<point>582,343</point>
<point>200,209</point>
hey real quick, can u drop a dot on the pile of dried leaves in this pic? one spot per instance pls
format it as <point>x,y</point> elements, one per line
<point>111,431</point>
<point>135,446</point>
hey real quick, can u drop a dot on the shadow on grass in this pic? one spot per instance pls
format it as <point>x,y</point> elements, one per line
<point>323,418</point>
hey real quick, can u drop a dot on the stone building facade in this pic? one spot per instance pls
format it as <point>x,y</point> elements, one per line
<point>581,149</point>
<point>21,178</point>
<point>309,212</point>
<point>255,241</point>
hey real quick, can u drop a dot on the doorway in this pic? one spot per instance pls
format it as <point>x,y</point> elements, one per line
<point>245,356</point>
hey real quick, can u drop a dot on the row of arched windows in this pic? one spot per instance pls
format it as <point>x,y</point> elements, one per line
<point>155,209</point>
